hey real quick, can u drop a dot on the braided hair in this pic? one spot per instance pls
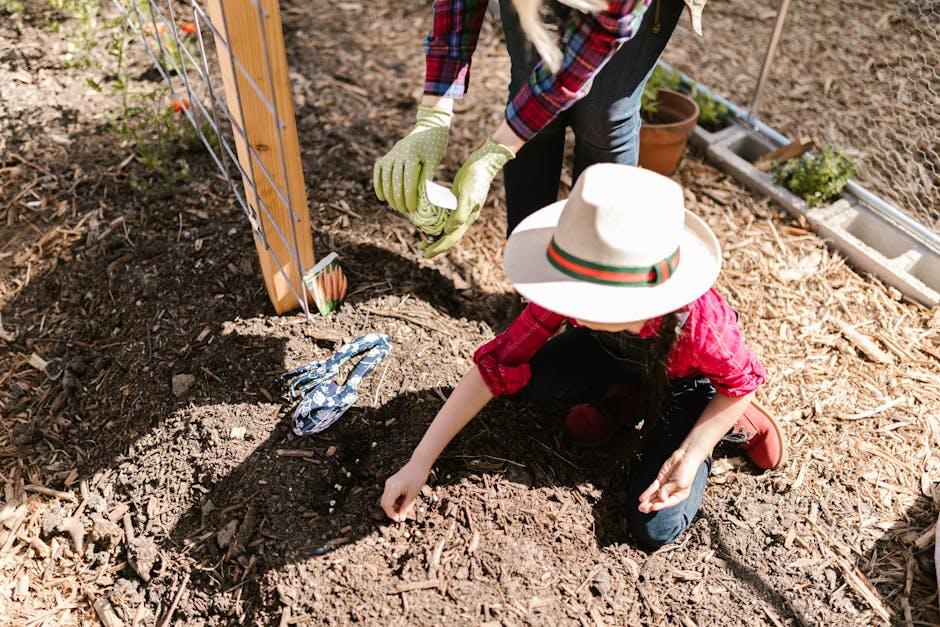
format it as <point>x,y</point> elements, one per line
<point>657,377</point>
<point>657,384</point>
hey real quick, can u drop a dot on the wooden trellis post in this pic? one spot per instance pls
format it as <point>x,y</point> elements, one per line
<point>272,171</point>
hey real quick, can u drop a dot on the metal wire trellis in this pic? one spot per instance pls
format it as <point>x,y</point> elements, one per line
<point>907,170</point>
<point>862,75</point>
<point>194,84</point>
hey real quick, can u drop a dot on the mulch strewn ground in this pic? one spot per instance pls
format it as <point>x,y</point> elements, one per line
<point>121,496</point>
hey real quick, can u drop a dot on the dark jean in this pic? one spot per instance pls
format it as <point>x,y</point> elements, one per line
<point>606,122</point>
<point>574,368</point>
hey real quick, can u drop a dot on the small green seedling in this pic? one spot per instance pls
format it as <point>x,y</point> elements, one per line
<point>816,177</point>
<point>87,32</point>
<point>713,115</point>
<point>661,78</point>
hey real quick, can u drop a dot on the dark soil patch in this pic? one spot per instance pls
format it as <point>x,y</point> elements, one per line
<point>517,526</point>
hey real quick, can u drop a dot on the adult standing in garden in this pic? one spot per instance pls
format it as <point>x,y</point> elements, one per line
<point>594,86</point>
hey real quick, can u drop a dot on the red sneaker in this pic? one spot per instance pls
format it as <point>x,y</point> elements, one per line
<point>592,425</point>
<point>587,425</point>
<point>760,436</point>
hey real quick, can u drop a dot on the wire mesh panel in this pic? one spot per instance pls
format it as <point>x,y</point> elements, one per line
<point>860,74</point>
<point>904,148</point>
<point>226,68</point>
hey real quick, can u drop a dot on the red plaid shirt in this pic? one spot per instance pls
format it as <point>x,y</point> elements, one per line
<point>588,42</point>
<point>709,344</point>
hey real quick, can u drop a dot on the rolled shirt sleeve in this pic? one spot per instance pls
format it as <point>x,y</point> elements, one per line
<point>710,344</point>
<point>503,362</point>
<point>589,41</point>
<point>717,349</point>
<point>449,46</point>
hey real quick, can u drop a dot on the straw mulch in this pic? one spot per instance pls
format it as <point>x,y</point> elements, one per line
<point>127,503</point>
<point>858,74</point>
<point>855,372</point>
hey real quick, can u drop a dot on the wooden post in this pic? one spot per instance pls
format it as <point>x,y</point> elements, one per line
<point>249,102</point>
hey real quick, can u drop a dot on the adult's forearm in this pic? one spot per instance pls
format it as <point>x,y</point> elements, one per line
<point>468,398</point>
<point>591,41</point>
<point>720,415</point>
<point>508,138</point>
<point>449,47</point>
<point>438,102</point>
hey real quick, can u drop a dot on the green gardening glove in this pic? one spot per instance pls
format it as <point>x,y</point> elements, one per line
<point>412,160</point>
<point>471,186</point>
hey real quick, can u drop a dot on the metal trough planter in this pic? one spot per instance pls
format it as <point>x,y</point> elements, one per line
<point>873,240</point>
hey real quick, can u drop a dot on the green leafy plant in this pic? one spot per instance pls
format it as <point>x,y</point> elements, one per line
<point>661,78</point>
<point>712,115</point>
<point>151,124</point>
<point>816,177</point>
<point>162,138</point>
<point>10,7</point>
<point>87,34</point>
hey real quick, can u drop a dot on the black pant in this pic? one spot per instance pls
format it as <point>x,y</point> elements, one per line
<point>575,367</point>
<point>606,122</point>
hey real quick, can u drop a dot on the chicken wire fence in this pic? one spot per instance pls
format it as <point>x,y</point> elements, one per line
<point>225,67</point>
<point>860,74</point>
<point>905,132</point>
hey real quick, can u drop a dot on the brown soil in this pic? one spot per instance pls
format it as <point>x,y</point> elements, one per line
<point>120,292</point>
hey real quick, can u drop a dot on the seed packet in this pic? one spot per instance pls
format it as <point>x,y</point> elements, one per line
<point>327,284</point>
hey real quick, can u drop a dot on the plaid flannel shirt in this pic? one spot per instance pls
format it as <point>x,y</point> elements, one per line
<point>588,42</point>
<point>710,345</point>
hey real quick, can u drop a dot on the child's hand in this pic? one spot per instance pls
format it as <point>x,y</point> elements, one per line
<point>402,488</point>
<point>673,483</point>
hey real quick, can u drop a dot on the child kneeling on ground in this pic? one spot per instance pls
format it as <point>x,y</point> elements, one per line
<point>629,271</point>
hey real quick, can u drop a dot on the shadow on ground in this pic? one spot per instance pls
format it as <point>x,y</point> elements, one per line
<point>908,570</point>
<point>294,501</point>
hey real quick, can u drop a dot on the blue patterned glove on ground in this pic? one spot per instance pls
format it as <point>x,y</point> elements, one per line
<point>323,400</point>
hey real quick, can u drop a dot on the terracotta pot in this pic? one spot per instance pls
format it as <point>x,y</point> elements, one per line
<point>662,144</point>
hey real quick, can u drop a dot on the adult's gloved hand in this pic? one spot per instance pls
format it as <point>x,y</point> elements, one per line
<point>412,160</point>
<point>471,186</point>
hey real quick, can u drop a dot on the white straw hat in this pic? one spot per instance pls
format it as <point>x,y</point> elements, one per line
<point>622,248</point>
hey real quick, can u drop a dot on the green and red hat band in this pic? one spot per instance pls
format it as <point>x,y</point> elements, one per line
<point>632,276</point>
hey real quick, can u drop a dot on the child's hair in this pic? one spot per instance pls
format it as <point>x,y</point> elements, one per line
<point>539,35</point>
<point>657,377</point>
<point>657,385</point>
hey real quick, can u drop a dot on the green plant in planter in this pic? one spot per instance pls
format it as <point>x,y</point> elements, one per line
<point>712,115</point>
<point>88,28</point>
<point>816,177</point>
<point>661,78</point>
<point>11,7</point>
